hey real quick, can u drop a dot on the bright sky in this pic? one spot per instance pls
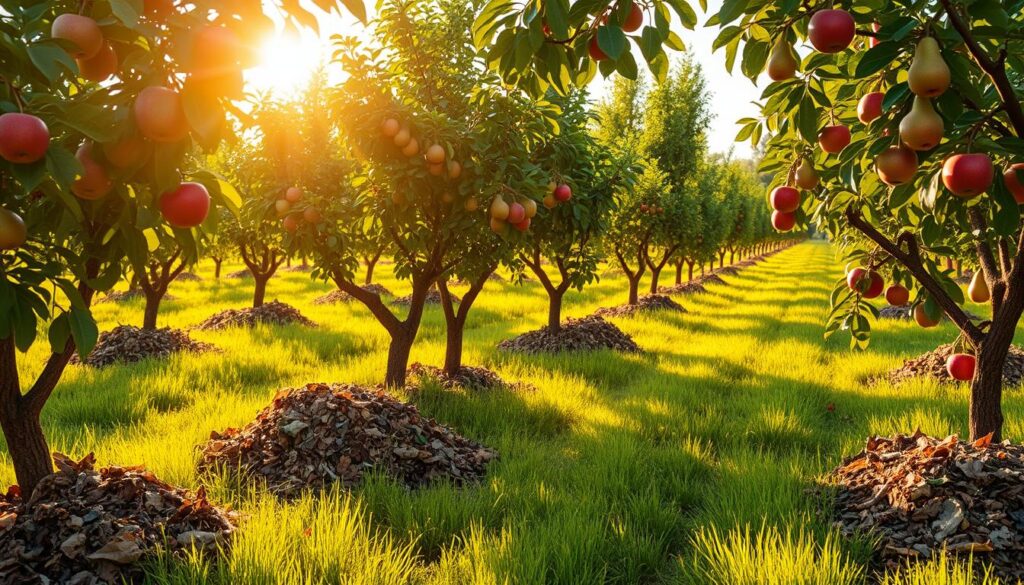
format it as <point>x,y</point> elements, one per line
<point>288,59</point>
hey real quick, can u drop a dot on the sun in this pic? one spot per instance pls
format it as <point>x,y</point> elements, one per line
<point>286,64</point>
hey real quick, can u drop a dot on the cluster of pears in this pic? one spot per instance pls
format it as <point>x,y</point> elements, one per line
<point>786,199</point>
<point>518,215</point>
<point>291,218</point>
<point>435,155</point>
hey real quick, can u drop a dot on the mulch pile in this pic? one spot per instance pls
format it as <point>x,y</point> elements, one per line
<point>298,268</point>
<point>320,434</point>
<point>921,494</point>
<point>646,303</point>
<point>468,378</point>
<point>188,277</point>
<point>126,344</point>
<point>728,270</point>
<point>586,334</point>
<point>83,526</point>
<point>274,313</point>
<point>686,288</point>
<point>433,298</point>
<point>891,312</point>
<point>338,296</point>
<point>125,296</point>
<point>244,273</point>
<point>933,364</point>
<point>712,279</point>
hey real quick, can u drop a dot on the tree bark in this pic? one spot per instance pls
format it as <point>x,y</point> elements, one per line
<point>691,271</point>
<point>456,317</point>
<point>260,293</point>
<point>369,271</point>
<point>679,272</point>
<point>399,350</point>
<point>655,274</point>
<point>732,256</point>
<point>26,444</point>
<point>634,290</point>
<point>153,298</point>
<point>986,414</point>
<point>216,267</point>
<point>555,310</point>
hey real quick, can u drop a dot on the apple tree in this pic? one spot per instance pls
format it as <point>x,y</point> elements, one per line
<point>585,181</point>
<point>910,119</point>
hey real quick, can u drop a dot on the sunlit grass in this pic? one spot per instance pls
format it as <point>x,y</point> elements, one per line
<point>618,469</point>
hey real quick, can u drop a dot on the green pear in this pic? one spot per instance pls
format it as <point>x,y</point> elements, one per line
<point>922,128</point>
<point>782,62</point>
<point>929,75</point>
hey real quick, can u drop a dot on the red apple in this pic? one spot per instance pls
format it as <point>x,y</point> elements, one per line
<point>312,216</point>
<point>94,182</point>
<point>390,127</point>
<point>782,221</point>
<point>831,31</point>
<point>922,318</point>
<point>563,193</point>
<point>13,232</point>
<point>896,165</point>
<point>187,206</point>
<point>897,295</point>
<point>833,139</point>
<point>516,213</point>
<point>101,67</point>
<point>523,225</point>
<point>126,152</point>
<point>1013,184</point>
<point>435,154</point>
<point>24,138</point>
<point>968,175</point>
<point>869,108</point>
<point>454,170</point>
<point>867,282</point>
<point>81,31</point>
<point>595,50</point>
<point>634,20</point>
<point>160,115</point>
<point>293,195</point>
<point>961,366</point>
<point>291,223</point>
<point>785,199</point>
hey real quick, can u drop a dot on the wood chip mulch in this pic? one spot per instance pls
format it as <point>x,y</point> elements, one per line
<point>920,494</point>
<point>322,434</point>
<point>645,304</point>
<point>244,273</point>
<point>712,279</point>
<point>587,334</point>
<point>933,365</point>
<point>338,296</point>
<point>898,313</point>
<point>81,526</point>
<point>686,288</point>
<point>468,378</point>
<point>433,298</point>
<point>273,313</point>
<point>188,277</point>
<point>127,296</point>
<point>126,344</point>
<point>728,270</point>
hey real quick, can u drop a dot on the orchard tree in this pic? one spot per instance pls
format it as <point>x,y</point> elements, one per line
<point>567,233</point>
<point>218,245</point>
<point>561,43</point>
<point>164,264</point>
<point>444,149</point>
<point>101,103</point>
<point>641,224</point>
<point>910,118</point>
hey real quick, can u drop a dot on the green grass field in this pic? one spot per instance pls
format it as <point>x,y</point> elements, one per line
<point>687,464</point>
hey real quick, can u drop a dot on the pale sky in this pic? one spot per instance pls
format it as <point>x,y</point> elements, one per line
<point>732,95</point>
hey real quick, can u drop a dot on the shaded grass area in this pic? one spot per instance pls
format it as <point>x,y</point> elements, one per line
<point>687,464</point>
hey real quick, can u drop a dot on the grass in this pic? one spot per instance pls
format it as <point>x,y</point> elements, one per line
<point>687,464</point>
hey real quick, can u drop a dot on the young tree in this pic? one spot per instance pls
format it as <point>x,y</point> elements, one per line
<point>163,266</point>
<point>567,235</point>
<point>905,127</point>
<point>78,128</point>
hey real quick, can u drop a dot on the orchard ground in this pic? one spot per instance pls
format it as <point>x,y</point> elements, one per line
<point>687,464</point>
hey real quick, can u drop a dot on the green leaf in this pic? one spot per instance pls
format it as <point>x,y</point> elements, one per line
<point>59,333</point>
<point>127,11</point>
<point>49,59</point>
<point>807,120</point>
<point>612,41</point>
<point>83,330</point>
<point>731,10</point>
<point>877,58</point>
<point>357,8</point>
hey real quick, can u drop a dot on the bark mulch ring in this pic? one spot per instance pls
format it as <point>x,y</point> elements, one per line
<point>645,304</point>
<point>728,270</point>
<point>433,298</point>
<point>244,273</point>
<point>891,312</point>
<point>298,268</point>
<point>318,435</point>
<point>686,288</point>
<point>274,313</point>
<point>921,494</point>
<point>712,279</point>
<point>125,344</point>
<point>933,365</point>
<point>468,378</point>
<point>338,296</point>
<point>126,296</point>
<point>587,334</point>
<point>83,526</point>
<point>188,277</point>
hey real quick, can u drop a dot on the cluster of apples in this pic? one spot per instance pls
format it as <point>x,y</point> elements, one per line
<point>518,215</point>
<point>632,24</point>
<point>785,200</point>
<point>870,285</point>
<point>290,218</point>
<point>435,154</point>
<point>557,193</point>
<point>651,209</point>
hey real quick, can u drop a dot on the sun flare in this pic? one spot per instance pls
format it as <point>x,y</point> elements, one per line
<point>286,63</point>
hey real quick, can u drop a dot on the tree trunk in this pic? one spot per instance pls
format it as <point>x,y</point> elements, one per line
<point>732,256</point>
<point>691,272</point>
<point>27,448</point>
<point>634,289</point>
<point>260,294</point>
<point>555,310</point>
<point>216,268</point>
<point>655,274</point>
<point>986,414</point>
<point>153,298</point>
<point>679,273</point>
<point>398,356</point>
<point>370,265</point>
<point>721,259</point>
<point>453,348</point>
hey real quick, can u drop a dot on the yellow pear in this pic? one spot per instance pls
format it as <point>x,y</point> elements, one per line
<point>806,176</point>
<point>978,289</point>
<point>782,62</point>
<point>499,209</point>
<point>929,75</point>
<point>922,128</point>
